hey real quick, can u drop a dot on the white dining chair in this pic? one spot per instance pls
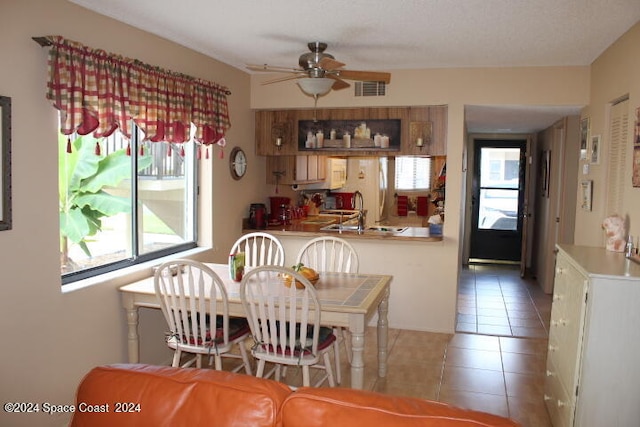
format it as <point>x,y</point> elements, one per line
<point>285,323</point>
<point>259,248</point>
<point>200,326</point>
<point>329,254</point>
<point>332,254</point>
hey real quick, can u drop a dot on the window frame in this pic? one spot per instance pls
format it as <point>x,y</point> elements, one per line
<point>414,189</point>
<point>137,258</point>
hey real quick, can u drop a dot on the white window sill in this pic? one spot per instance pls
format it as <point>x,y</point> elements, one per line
<point>129,274</point>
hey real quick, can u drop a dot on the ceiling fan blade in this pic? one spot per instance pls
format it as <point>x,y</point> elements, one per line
<point>273,68</point>
<point>329,64</point>
<point>339,83</point>
<point>367,76</point>
<point>284,79</point>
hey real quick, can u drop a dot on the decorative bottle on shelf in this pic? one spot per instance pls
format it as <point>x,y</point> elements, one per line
<point>384,141</point>
<point>346,138</point>
<point>309,142</point>
<point>319,139</point>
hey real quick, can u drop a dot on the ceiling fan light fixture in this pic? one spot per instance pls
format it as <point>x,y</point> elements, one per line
<point>316,86</point>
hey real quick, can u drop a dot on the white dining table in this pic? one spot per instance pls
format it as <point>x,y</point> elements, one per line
<point>348,300</point>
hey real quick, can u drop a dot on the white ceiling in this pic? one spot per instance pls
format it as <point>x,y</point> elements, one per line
<point>384,35</point>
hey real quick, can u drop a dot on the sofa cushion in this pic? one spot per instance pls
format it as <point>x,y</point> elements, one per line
<point>177,397</point>
<point>311,407</point>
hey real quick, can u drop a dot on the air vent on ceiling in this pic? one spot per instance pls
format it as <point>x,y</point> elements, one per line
<point>370,88</point>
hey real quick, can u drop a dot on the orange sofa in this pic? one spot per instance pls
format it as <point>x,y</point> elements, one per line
<point>146,395</point>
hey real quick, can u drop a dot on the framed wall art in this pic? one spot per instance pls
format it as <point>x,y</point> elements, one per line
<point>5,162</point>
<point>595,149</point>
<point>584,137</point>
<point>545,171</point>
<point>586,188</point>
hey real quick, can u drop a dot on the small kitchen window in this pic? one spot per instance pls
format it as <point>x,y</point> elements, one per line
<point>413,173</point>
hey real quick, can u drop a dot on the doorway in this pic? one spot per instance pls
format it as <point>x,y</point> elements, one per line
<point>498,195</point>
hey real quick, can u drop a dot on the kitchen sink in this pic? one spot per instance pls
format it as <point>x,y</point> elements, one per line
<point>387,228</point>
<point>354,227</point>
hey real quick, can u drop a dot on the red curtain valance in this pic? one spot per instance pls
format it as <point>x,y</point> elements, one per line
<point>100,92</point>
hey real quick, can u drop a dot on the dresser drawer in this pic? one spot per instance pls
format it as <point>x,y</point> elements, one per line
<point>560,405</point>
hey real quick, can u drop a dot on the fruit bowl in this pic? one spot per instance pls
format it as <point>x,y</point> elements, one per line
<point>310,274</point>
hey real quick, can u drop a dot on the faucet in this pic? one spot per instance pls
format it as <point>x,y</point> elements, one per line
<point>358,203</point>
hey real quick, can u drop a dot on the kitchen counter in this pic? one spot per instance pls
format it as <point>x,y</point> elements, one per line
<point>312,226</point>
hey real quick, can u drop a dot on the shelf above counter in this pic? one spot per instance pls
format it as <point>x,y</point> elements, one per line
<point>278,132</point>
<point>360,134</point>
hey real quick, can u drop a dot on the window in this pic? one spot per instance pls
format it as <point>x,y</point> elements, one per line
<point>123,203</point>
<point>413,173</point>
<point>499,188</point>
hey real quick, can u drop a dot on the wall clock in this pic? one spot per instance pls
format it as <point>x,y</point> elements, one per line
<point>237,163</point>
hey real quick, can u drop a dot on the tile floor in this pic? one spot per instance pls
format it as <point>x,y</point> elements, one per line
<point>500,371</point>
<point>494,300</point>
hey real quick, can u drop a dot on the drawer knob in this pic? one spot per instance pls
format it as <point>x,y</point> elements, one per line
<point>559,322</point>
<point>561,404</point>
<point>550,373</point>
<point>558,297</point>
<point>553,347</point>
<point>547,397</point>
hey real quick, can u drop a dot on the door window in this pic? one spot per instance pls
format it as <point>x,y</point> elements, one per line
<point>499,188</point>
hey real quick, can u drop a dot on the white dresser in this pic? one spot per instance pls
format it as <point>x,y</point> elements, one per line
<point>593,361</point>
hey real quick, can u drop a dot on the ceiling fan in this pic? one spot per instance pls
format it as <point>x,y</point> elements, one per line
<point>319,72</point>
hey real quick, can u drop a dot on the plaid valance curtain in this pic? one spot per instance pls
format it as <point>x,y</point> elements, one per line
<point>100,92</point>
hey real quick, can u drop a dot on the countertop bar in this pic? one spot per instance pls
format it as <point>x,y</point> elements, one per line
<point>307,227</point>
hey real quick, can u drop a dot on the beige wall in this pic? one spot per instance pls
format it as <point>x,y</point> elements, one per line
<point>614,74</point>
<point>50,338</point>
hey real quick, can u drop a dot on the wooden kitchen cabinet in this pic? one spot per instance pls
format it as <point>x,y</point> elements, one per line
<point>273,124</point>
<point>594,340</point>
<point>420,119</point>
<point>296,169</point>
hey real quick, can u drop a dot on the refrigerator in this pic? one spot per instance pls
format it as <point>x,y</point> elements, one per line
<point>369,175</point>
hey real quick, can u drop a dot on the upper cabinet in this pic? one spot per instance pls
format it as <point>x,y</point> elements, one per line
<point>353,131</point>
<point>275,132</point>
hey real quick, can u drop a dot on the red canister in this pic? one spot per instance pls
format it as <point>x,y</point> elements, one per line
<point>276,202</point>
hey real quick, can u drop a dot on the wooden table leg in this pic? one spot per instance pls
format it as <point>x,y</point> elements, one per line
<point>357,351</point>
<point>132,323</point>
<point>383,332</point>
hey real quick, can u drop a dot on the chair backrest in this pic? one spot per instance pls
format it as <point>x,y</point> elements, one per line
<point>259,249</point>
<point>329,254</point>
<point>284,320</point>
<point>193,322</point>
